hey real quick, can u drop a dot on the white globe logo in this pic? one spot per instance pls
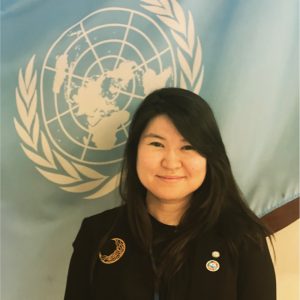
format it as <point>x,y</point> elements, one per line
<point>95,75</point>
<point>92,79</point>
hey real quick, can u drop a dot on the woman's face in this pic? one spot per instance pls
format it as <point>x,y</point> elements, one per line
<point>167,165</point>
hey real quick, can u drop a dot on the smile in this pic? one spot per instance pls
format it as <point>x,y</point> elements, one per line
<point>170,178</point>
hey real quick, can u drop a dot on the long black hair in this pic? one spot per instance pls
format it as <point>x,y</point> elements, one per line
<point>218,203</point>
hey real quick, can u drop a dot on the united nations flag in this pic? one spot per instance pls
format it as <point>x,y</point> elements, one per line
<point>93,77</point>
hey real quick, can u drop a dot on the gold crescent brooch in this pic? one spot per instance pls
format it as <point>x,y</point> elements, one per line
<point>117,253</point>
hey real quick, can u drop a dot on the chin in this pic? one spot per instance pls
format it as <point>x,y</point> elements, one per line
<point>170,198</point>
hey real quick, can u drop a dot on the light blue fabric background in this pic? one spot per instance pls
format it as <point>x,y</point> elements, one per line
<point>250,58</point>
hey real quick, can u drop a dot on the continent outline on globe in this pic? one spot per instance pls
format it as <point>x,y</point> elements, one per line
<point>92,105</point>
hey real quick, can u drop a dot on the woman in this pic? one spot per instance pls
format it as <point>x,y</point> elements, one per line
<point>183,231</point>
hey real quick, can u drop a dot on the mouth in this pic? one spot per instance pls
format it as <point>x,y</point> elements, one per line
<point>170,178</point>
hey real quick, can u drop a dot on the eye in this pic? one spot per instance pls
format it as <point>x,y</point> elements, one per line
<point>156,144</point>
<point>188,147</point>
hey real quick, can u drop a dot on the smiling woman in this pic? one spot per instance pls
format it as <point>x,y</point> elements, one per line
<point>183,230</point>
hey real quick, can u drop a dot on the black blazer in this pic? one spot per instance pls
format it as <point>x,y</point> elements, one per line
<point>249,275</point>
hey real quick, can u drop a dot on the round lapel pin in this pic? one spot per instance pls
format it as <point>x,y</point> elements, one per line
<point>215,254</point>
<point>212,265</point>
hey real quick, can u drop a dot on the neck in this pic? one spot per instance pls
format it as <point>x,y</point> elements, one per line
<point>166,212</point>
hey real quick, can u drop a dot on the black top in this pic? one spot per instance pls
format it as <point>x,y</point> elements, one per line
<point>163,234</point>
<point>130,276</point>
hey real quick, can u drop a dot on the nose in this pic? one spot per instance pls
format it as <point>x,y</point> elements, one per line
<point>171,160</point>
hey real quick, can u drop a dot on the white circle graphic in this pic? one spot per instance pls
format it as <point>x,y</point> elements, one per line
<point>94,76</point>
<point>92,79</point>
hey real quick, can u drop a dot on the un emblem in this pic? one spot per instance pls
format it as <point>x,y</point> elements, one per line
<point>91,81</point>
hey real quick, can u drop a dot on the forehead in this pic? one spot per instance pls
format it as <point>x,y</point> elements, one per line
<point>161,125</point>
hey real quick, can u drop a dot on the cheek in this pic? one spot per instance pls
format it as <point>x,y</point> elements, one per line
<point>144,163</point>
<point>198,168</point>
<point>139,165</point>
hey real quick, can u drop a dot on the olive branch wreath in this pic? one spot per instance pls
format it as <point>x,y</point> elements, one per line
<point>77,178</point>
<point>172,15</point>
<point>50,162</point>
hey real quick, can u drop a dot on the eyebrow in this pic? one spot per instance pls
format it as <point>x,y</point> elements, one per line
<point>154,135</point>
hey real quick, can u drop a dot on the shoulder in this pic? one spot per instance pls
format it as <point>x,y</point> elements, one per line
<point>241,237</point>
<point>241,227</point>
<point>105,217</point>
<point>96,226</point>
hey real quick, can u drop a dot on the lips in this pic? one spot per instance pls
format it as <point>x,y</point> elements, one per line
<point>170,178</point>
